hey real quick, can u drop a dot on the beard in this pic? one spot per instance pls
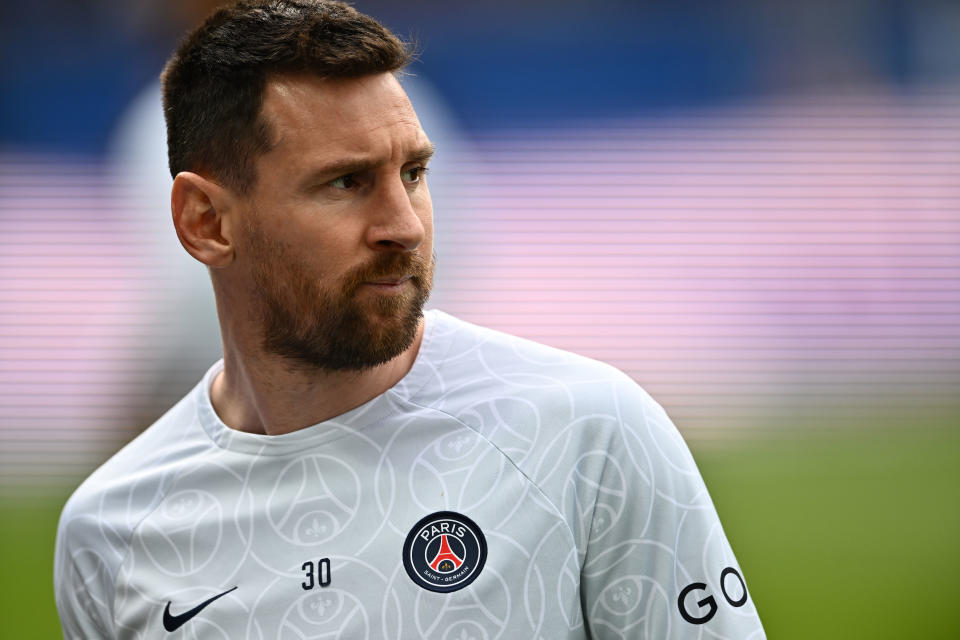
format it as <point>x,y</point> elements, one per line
<point>332,328</point>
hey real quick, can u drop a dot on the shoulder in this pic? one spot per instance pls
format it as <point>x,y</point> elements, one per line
<point>97,521</point>
<point>481,360</point>
<point>531,399</point>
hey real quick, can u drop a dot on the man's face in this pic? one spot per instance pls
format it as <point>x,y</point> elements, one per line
<point>338,240</point>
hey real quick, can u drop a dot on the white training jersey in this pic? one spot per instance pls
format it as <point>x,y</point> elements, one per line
<point>501,489</point>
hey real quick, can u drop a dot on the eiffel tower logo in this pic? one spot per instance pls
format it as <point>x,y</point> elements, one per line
<point>446,559</point>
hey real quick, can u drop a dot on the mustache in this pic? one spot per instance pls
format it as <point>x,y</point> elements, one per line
<point>387,265</point>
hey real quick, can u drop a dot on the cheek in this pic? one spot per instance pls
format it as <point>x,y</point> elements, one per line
<point>288,264</point>
<point>321,246</point>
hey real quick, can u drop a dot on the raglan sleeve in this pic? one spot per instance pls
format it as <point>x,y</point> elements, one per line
<point>657,563</point>
<point>82,587</point>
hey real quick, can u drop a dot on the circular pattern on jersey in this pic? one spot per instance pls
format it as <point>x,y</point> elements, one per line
<point>444,552</point>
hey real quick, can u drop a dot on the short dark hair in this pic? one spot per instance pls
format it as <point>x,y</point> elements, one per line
<point>213,85</point>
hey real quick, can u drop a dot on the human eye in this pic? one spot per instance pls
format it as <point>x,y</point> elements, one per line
<point>344,182</point>
<point>413,175</point>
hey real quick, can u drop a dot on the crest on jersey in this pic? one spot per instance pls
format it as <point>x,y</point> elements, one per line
<point>444,552</point>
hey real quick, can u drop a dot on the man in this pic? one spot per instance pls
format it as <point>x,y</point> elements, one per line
<point>356,468</point>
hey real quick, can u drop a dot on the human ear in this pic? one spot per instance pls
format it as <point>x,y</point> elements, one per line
<point>201,215</point>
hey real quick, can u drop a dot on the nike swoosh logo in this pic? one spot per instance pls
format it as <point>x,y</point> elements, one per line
<point>172,623</point>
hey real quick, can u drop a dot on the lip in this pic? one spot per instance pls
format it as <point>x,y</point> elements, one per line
<point>389,282</point>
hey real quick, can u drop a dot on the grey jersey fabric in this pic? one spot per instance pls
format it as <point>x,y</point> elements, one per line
<point>594,519</point>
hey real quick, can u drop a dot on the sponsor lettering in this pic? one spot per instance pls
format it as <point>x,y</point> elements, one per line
<point>707,606</point>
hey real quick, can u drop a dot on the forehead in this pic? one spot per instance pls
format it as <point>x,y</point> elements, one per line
<point>334,116</point>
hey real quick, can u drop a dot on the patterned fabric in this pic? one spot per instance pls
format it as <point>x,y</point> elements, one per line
<point>592,515</point>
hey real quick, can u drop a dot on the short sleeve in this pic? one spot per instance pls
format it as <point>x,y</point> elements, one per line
<point>657,563</point>
<point>81,580</point>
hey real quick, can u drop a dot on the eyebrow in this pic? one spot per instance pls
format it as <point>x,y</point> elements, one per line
<point>359,165</point>
<point>423,154</point>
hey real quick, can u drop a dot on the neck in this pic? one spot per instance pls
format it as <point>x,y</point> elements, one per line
<point>262,393</point>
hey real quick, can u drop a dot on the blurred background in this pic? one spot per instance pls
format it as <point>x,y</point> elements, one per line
<point>751,207</point>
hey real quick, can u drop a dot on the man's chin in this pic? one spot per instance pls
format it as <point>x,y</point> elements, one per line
<point>398,327</point>
<point>375,335</point>
<point>370,329</point>
<point>401,304</point>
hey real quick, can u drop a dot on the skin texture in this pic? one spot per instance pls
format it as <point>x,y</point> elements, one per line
<point>321,269</point>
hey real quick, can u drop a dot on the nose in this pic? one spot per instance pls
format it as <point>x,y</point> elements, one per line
<point>398,218</point>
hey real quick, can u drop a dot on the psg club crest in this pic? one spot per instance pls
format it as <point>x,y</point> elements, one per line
<point>444,552</point>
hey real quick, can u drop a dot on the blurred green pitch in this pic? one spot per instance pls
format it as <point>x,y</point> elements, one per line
<point>841,534</point>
